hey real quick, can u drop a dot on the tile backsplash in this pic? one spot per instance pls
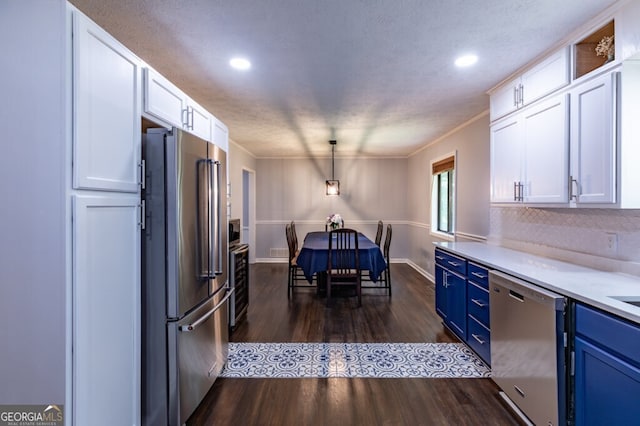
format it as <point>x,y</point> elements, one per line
<point>605,239</point>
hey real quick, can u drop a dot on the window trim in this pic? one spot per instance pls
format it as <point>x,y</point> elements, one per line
<point>438,165</point>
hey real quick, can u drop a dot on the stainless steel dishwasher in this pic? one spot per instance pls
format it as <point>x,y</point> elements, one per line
<point>528,348</point>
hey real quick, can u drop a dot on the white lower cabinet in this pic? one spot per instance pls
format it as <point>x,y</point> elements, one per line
<point>106,305</point>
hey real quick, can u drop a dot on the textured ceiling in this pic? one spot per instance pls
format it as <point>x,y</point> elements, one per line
<point>377,75</point>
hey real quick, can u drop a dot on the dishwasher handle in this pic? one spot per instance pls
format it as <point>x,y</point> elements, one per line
<point>522,291</point>
<point>516,295</point>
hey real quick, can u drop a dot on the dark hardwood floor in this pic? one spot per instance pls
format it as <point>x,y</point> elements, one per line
<point>407,317</point>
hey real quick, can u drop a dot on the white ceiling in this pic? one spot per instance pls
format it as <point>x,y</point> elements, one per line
<point>376,75</point>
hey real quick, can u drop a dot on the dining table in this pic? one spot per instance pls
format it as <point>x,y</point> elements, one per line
<point>314,255</point>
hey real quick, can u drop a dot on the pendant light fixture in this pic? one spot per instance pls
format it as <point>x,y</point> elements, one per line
<point>333,185</point>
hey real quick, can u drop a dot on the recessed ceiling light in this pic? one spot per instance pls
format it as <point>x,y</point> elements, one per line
<point>240,63</point>
<point>466,60</point>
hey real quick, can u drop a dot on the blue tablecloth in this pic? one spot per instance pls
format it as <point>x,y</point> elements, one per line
<point>315,251</point>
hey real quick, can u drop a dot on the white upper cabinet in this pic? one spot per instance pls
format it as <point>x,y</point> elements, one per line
<point>505,99</point>
<point>506,164</point>
<point>163,100</point>
<point>546,77</point>
<point>198,120</point>
<point>628,135</point>
<point>545,132</point>
<point>530,155</point>
<point>593,141</point>
<point>220,134</point>
<point>106,108</point>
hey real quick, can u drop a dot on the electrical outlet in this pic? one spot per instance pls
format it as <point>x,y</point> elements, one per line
<point>612,242</point>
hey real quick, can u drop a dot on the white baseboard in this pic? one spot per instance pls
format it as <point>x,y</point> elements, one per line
<point>272,260</point>
<point>420,270</point>
<point>392,260</point>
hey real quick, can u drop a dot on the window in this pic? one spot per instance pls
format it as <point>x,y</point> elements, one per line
<point>443,197</point>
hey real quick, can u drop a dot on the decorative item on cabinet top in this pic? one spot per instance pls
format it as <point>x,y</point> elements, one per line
<point>595,50</point>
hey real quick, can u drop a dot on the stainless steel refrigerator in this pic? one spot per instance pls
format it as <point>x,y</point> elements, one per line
<point>185,289</point>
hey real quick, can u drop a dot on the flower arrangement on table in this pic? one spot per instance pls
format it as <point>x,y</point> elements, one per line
<point>334,221</point>
<point>606,47</point>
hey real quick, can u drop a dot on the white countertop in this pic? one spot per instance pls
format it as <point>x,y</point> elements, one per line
<point>590,286</point>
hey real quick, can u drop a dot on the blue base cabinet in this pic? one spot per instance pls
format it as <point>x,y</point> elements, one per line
<point>462,300</point>
<point>478,327</point>
<point>451,292</point>
<point>607,369</point>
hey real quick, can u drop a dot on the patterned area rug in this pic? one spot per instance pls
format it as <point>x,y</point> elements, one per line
<point>392,360</point>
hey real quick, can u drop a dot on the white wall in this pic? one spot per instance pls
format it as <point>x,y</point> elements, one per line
<point>238,160</point>
<point>395,190</point>
<point>294,189</point>
<point>471,143</point>
<point>33,256</point>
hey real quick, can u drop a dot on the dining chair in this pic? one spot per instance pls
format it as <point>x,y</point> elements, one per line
<point>379,233</point>
<point>384,282</point>
<point>343,263</point>
<point>295,273</point>
<point>294,236</point>
<point>386,275</point>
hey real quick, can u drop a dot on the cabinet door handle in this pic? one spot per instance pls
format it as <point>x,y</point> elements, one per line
<point>475,336</point>
<point>190,117</point>
<point>573,195</point>
<point>479,302</point>
<point>521,94</point>
<point>518,191</point>
<point>440,257</point>
<point>479,275</point>
<point>453,263</point>
<point>515,96</point>
<point>185,118</point>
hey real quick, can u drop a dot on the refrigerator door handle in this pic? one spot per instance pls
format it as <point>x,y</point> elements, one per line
<point>203,216</point>
<point>203,318</point>
<point>218,221</point>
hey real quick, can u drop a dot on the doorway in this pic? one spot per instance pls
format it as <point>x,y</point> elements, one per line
<point>249,211</point>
